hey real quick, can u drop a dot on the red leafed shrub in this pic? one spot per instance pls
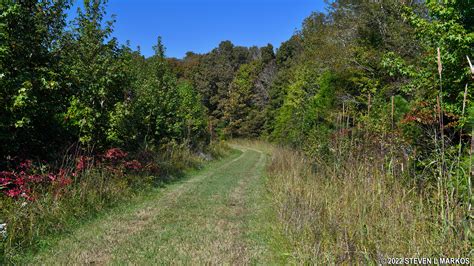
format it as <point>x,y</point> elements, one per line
<point>28,180</point>
<point>25,165</point>
<point>133,165</point>
<point>425,114</point>
<point>115,155</point>
<point>6,178</point>
<point>152,168</point>
<point>63,180</point>
<point>17,184</point>
<point>25,181</point>
<point>36,178</point>
<point>422,113</point>
<point>115,161</point>
<point>83,162</point>
<point>13,193</point>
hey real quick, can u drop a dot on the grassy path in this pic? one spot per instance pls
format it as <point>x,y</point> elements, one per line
<point>214,216</point>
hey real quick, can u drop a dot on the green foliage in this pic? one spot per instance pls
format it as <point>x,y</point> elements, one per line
<point>291,120</point>
<point>77,84</point>
<point>306,113</point>
<point>455,39</point>
<point>191,113</point>
<point>30,75</point>
<point>160,108</point>
<point>240,113</point>
<point>362,78</point>
<point>100,77</point>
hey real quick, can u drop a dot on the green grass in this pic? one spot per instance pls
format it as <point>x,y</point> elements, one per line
<point>97,190</point>
<point>259,205</point>
<point>216,215</point>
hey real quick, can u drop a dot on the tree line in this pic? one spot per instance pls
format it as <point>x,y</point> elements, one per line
<point>65,83</point>
<point>391,75</point>
<point>365,79</point>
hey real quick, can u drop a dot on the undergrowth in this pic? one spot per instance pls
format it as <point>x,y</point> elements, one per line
<point>356,212</point>
<point>95,190</point>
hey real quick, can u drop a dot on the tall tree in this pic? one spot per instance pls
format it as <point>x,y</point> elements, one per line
<point>31,34</point>
<point>99,75</point>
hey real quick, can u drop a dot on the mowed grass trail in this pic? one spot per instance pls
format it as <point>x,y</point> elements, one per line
<point>217,215</point>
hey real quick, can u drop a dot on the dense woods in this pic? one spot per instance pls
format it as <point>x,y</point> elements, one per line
<point>380,83</point>
<point>76,84</point>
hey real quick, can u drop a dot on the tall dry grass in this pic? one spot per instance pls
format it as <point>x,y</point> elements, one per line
<point>355,212</point>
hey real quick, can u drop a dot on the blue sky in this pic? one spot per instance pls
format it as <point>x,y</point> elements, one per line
<point>199,25</point>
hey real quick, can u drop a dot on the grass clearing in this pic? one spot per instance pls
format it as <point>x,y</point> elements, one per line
<point>262,205</point>
<point>214,216</point>
<point>31,225</point>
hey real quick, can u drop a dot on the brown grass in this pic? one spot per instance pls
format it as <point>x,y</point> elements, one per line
<point>354,213</point>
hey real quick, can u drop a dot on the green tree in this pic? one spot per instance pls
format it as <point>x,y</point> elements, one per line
<point>32,94</point>
<point>239,103</point>
<point>99,75</point>
<point>160,108</point>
